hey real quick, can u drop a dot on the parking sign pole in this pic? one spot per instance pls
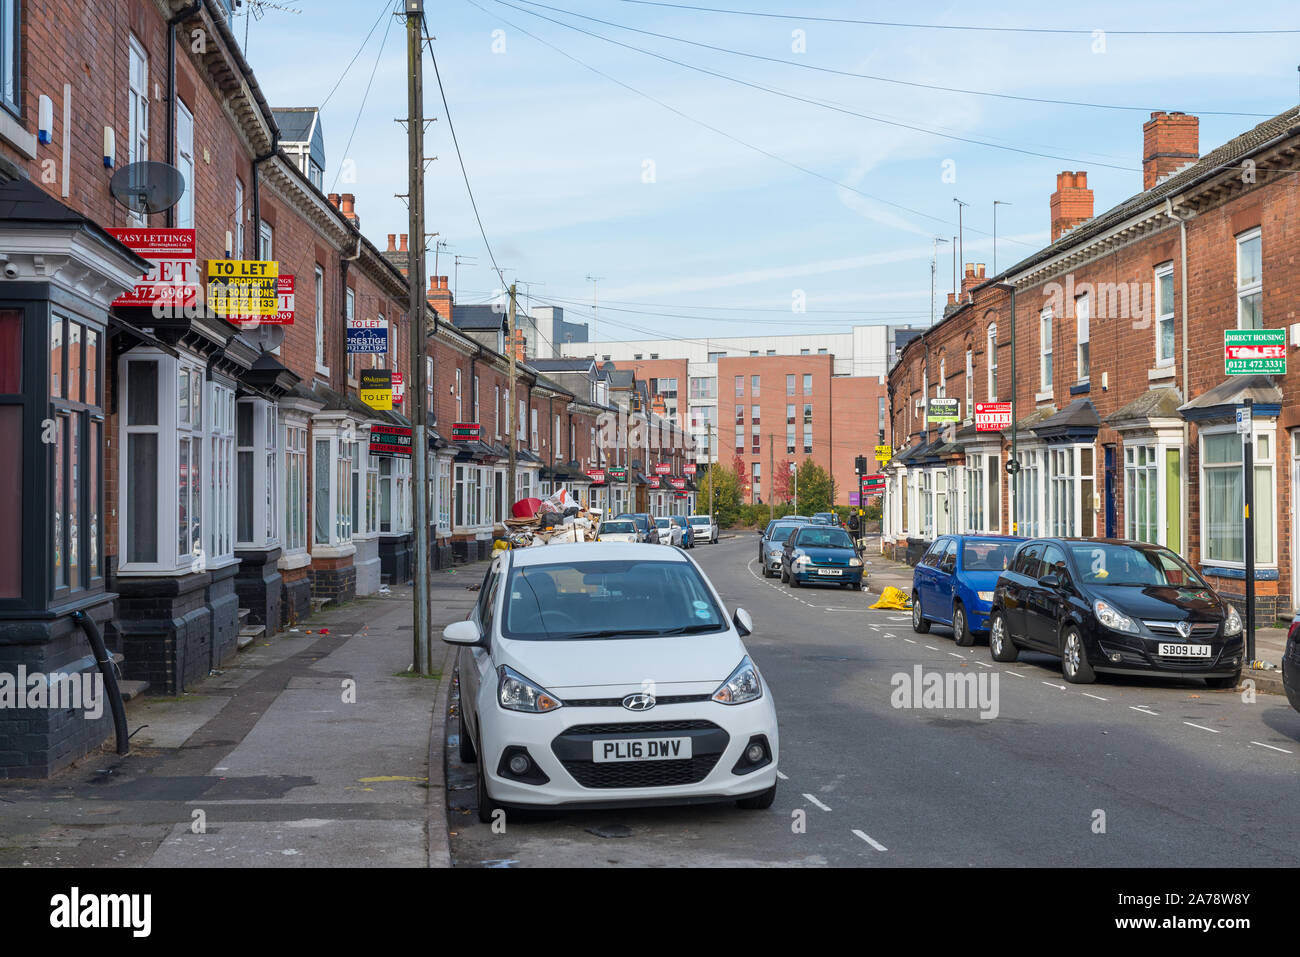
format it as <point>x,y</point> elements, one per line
<point>1248,488</point>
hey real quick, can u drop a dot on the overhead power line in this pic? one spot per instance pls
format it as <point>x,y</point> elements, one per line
<point>968,27</point>
<point>877,78</point>
<point>385,7</point>
<point>365,96</point>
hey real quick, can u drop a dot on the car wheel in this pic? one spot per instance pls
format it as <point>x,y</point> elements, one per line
<point>919,624</point>
<point>961,627</point>
<point>1001,647</point>
<point>759,802</point>
<point>486,806</point>
<point>794,582</point>
<point>1224,684</point>
<point>1074,659</point>
<point>467,753</point>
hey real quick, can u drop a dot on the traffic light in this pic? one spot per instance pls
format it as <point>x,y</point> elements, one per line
<point>860,464</point>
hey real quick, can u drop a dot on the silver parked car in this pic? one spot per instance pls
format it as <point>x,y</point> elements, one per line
<point>704,528</point>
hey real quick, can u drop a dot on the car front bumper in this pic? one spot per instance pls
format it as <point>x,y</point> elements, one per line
<point>720,734</point>
<point>1226,658</point>
<point>813,574</point>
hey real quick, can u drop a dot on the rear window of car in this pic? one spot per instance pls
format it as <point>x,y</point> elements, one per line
<point>987,556</point>
<point>585,600</point>
<point>782,532</point>
<point>618,528</point>
<point>823,537</point>
<point>699,520</point>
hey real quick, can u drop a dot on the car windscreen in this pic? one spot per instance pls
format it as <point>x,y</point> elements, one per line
<point>618,528</point>
<point>663,522</point>
<point>679,521</point>
<point>1105,564</point>
<point>821,536</point>
<point>608,599</point>
<point>782,532</point>
<point>987,556</point>
<point>699,520</point>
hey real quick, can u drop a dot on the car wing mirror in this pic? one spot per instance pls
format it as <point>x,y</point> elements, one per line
<point>744,624</point>
<point>465,632</point>
<point>1050,581</point>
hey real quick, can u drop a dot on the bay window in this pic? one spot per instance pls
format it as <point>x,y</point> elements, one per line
<point>76,403</point>
<point>444,495</point>
<point>1028,484</point>
<point>294,442</point>
<point>1141,493</point>
<point>332,452</point>
<point>1223,502</point>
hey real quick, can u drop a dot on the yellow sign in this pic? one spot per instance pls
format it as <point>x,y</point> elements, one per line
<point>884,453</point>
<point>377,388</point>
<point>243,287</point>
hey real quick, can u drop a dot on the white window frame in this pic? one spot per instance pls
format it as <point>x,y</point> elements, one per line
<point>137,109</point>
<point>332,441</point>
<point>185,163</point>
<point>219,537</point>
<point>1143,466</point>
<point>237,243</point>
<point>294,456</point>
<point>1263,428</point>
<point>992,340</point>
<point>1045,347</point>
<point>444,497</point>
<point>1161,274</point>
<point>1082,346</point>
<point>319,278</point>
<point>1254,287</point>
<point>263,452</point>
<point>970,385</point>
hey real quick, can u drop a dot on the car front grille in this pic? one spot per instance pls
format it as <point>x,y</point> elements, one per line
<point>1201,630</point>
<point>573,748</point>
<point>618,702</point>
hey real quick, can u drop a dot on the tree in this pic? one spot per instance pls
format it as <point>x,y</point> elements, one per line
<point>781,484</point>
<point>726,493</point>
<point>814,488</point>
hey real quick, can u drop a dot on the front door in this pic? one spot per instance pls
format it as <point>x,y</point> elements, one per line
<point>1110,491</point>
<point>941,525</point>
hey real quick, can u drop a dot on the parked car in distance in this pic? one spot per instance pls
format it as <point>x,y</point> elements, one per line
<point>1291,663</point>
<point>1107,605</point>
<point>555,661</point>
<point>830,518</point>
<point>669,534</point>
<point>796,519</point>
<point>688,536</point>
<point>705,528</point>
<point>953,583</point>
<point>618,530</point>
<point>820,553</point>
<point>771,545</point>
<point>645,525</point>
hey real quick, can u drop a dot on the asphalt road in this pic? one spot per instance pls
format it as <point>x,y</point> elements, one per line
<point>1123,772</point>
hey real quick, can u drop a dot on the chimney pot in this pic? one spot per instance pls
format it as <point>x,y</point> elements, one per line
<point>392,242</point>
<point>402,242</point>
<point>334,199</point>
<point>1071,204</point>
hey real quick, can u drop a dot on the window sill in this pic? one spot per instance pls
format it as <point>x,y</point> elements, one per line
<point>322,370</point>
<point>1047,396</point>
<point>1160,372</point>
<point>333,551</point>
<point>1081,388</point>
<point>288,563</point>
<point>12,132</point>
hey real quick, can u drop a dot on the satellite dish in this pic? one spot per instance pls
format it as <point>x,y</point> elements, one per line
<point>266,337</point>
<point>148,187</point>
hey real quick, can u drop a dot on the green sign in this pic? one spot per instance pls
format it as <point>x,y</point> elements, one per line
<point>1254,351</point>
<point>617,473</point>
<point>944,410</point>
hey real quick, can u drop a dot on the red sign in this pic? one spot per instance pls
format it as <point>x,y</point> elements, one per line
<point>596,475</point>
<point>393,440</point>
<point>174,278</point>
<point>399,387</point>
<point>873,484</point>
<point>689,468</point>
<point>466,431</point>
<point>677,483</point>
<point>664,468</point>
<point>992,416</point>
<point>652,482</point>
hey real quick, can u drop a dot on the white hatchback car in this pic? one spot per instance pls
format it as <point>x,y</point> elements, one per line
<point>599,674</point>
<point>704,529</point>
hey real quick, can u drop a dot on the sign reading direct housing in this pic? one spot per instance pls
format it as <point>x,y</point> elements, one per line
<point>243,287</point>
<point>1254,351</point>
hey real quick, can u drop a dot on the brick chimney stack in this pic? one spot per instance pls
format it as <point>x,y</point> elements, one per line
<point>1169,142</point>
<point>1071,203</point>
<point>520,345</point>
<point>973,277</point>
<point>439,297</point>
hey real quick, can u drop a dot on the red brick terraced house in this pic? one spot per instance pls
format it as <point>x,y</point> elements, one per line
<point>1124,421</point>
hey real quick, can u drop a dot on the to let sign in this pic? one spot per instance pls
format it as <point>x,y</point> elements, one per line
<point>173,280</point>
<point>663,468</point>
<point>596,475</point>
<point>873,484</point>
<point>689,468</point>
<point>466,431</point>
<point>244,287</point>
<point>391,440</point>
<point>992,416</point>
<point>618,474</point>
<point>1254,351</point>
<point>884,453</point>
<point>367,336</point>
<point>377,388</point>
<point>944,410</point>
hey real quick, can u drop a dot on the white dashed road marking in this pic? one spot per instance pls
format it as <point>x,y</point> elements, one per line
<point>984,664</point>
<point>817,802</point>
<point>1201,726</point>
<point>782,776</point>
<point>1097,696</point>
<point>955,655</point>
<point>1016,673</point>
<point>1143,708</point>
<point>867,837</point>
<point>1271,747</point>
<point>1051,685</point>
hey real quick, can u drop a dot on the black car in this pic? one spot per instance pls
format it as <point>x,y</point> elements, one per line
<point>645,524</point>
<point>1105,605</point>
<point>1291,663</point>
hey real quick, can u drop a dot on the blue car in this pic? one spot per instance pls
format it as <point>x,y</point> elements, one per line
<point>823,554</point>
<point>953,583</point>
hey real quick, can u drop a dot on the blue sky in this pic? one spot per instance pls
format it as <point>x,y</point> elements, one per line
<point>695,234</point>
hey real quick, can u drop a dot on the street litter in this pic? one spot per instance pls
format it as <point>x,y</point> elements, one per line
<point>893,599</point>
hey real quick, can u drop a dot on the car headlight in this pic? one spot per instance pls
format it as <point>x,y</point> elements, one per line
<point>855,563</point>
<point>985,595</point>
<point>1233,625</point>
<point>1113,619</point>
<point>517,693</point>
<point>743,685</point>
<point>801,560</point>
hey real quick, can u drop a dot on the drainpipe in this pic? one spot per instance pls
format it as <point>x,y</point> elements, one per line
<point>108,669</point>
<point>185,14</point>
<point>1184,476</point>
<point>257,193</point>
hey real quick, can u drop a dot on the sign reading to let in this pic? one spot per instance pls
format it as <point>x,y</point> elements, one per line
<point>367,336</point>
<point>663,468</point>
<point>377,388</point>
<point>677,483</point>
<point>392,440</point>
<point>399,387</point>
<point>992,416</point>
<point>244,287</point>
<point>1254,351</point>
<point>173,280</point>
<point>873,484</point>
<point>689,468</point>
<point>944,410</point>
<point>596,475</point>
<point>466,431</point>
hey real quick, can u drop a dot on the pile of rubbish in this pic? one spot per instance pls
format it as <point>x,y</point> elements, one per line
<point>551,521</point>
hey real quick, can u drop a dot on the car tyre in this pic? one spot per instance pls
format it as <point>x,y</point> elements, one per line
<point>467,753</point>
<point>486,806</point>
<point>1224,684</point>
<point>794,582</point>
<point>758,802</point>
<point>1001,646</point>
<point>1074,659</point>
<point>961,632</point>
<point>919,624</point>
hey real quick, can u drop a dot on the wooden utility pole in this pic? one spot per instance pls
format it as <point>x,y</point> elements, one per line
<point>422,653</point>
<point>771,478</point>
<point>511,426</point>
